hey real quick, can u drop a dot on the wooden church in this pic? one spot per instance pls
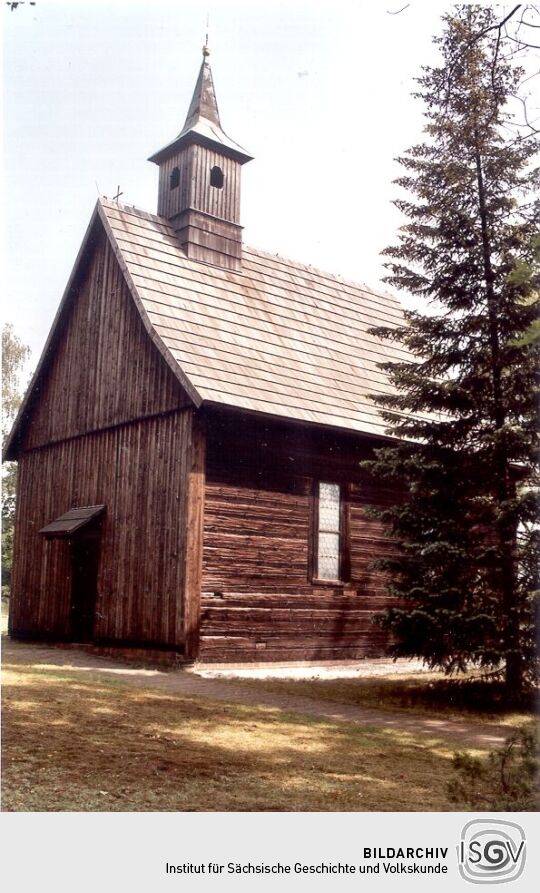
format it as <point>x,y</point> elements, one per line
<point>189,448</point>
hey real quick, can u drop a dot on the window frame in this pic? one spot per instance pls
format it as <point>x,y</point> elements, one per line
<point>344,548</point>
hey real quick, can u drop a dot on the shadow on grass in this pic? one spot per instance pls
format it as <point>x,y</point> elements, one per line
<point>87,744</point>
<point>470,694</point>
<point>468,698</point>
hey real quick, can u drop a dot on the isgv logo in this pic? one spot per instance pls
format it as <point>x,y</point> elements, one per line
<point>491,851</point>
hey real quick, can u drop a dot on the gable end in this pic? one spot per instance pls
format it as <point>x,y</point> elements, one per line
<point>103,364</point>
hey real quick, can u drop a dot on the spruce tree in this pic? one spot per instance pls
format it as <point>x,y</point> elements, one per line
<point>464,410</point>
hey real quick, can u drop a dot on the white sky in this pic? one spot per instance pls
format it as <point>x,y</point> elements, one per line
<point>318,92</point>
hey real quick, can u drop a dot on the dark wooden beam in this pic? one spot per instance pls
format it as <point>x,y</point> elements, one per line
<point>191,601</point>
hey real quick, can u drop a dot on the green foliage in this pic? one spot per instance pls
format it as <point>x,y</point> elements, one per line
<point>530,273</point>
<point>14,354</point>
<point>465,409</point>
<point>507,781</point>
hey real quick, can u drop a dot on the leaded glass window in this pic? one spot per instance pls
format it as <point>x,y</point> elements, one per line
<point>329,531</point>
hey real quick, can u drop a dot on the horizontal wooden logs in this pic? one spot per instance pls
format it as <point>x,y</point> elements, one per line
<point>258,601</point>
<point>249,649</point>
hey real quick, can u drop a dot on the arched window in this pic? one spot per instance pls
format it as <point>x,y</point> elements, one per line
<point>175,178</point>
<point>216,177</point>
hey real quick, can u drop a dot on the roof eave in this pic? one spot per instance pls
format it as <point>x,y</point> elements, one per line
<point>193,138</point>
<point>11,447</point>
<point>184,381</point>
<point>230,408</point>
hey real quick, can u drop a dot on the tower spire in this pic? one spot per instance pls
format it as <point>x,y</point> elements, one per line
<point>203,106</point>
<point>202,122</point>
<point>199,180</point>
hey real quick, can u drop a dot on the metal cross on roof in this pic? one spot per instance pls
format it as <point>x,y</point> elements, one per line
<point>118,194</point>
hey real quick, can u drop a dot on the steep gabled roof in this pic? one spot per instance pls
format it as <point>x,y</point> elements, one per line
<point>277,337</point>
<point>97,224</point>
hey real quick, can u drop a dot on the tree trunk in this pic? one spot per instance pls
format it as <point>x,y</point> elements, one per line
<point>503,486</point>
<point>513,678</point>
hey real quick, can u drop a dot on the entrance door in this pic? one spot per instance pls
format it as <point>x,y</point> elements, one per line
<point>84,572</point>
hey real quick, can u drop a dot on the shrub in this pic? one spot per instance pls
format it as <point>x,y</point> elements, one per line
<point>507,781</point>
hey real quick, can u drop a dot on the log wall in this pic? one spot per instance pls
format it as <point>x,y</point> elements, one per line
<point>210,553</point>
<point>259,601</point>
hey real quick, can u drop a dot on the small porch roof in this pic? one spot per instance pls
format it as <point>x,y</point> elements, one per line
<point>73,521</point>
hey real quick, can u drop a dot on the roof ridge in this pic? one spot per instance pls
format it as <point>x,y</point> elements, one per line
<point>288,261</point>
<point>326,274</point>
<point>113,204</point>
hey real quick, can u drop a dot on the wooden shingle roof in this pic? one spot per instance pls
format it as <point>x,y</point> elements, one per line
<point>73,521</point>
<point>203,123</point>
<point>277,337</point>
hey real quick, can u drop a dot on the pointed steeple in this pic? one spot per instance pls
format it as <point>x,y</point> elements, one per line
<point>203,103</point>
<point>199,181</point>
<point>202,123</point>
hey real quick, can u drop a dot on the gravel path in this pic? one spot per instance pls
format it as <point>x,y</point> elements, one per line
<point>206,683</point>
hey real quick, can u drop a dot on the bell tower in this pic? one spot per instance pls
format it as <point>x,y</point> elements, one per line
<point>199,181</point>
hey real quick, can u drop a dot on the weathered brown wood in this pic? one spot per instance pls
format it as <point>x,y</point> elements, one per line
<point>259,592</point>
<point>112,427</point>
<point>72,521</point>
<point>104,369</point>
<point>208,539</point>
<point>271,314</point>
<point>139,472</point>
<point>195,485</point>
<point>222,203</point>
<point>204,217</point>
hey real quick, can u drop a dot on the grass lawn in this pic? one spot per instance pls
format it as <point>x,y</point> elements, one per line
<point>93,743</point>
<point>423,694</point>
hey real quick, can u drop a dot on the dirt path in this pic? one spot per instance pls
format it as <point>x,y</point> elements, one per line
<point>187,682</point>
